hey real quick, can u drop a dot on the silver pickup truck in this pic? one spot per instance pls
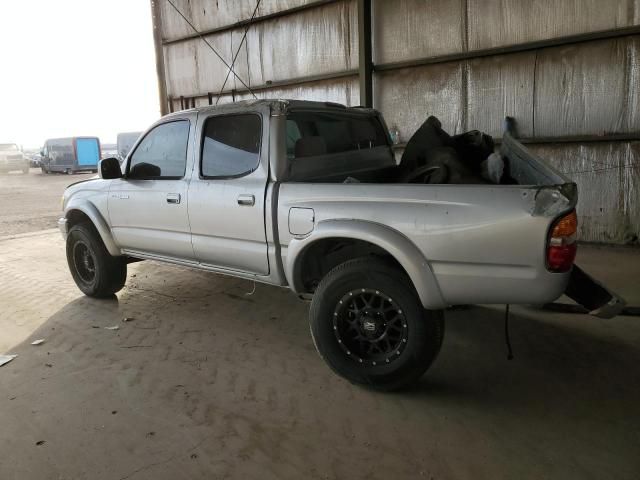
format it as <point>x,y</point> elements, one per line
<point>310,196</point>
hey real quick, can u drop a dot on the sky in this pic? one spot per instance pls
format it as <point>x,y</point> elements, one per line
<point>75,67</point>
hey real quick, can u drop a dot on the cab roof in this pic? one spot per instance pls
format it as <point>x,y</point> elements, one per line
<point>283,105</point>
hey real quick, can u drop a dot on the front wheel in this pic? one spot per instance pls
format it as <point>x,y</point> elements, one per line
<point>368,324</point>
<point>95,271</point>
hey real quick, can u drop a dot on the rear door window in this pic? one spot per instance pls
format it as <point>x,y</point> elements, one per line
<point>231,145</point>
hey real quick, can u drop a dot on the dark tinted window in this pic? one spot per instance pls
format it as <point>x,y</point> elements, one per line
<point>61,153</point>
<point>162,152</point>
<point>231,145</point>
<point>313,133</point>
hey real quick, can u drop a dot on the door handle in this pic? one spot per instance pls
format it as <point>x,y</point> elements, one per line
<point>173,198</point>
<point>245,199</point>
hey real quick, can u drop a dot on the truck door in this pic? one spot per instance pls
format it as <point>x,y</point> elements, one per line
<point>227,192</point>
<point>148,206</point>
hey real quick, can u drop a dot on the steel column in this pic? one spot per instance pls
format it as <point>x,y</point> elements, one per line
<point>365,66</point>
<point>156,20</point>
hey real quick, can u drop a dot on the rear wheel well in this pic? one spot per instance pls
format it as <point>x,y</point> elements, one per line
<point>322,256</point>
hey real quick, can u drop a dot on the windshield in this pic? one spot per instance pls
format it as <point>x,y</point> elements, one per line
<point>10,147</point>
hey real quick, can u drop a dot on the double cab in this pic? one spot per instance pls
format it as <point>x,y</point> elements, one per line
<point>312,197</point>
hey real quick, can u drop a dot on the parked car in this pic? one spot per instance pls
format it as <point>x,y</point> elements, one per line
<point>12,158</point>
<point>34,160</point>
<point>126,141</point>
<point>70,155</point>
<point>308,195</point>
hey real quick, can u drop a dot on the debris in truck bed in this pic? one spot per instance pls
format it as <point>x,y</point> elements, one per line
<point>492,169</point>
<point>433,156</point>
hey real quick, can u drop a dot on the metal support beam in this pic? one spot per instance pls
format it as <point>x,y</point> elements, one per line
<point>521,47</point>
<point>564,139</point>
<point>365,66</point>
<point>294,82</point>
<point>156,21</point>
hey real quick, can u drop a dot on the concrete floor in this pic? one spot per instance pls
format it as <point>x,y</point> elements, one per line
<point>209,382</point>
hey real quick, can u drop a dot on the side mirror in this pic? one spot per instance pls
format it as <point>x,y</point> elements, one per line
<point>110,168</point>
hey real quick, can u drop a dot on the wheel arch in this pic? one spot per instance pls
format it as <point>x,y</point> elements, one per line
<point>78,212</point>
<point>314,255</point>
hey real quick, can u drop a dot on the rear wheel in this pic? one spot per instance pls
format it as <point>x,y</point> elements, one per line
<point>95,271</point>
<point>368,324</point>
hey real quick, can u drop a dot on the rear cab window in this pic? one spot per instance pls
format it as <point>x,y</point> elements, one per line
<point>317,133</point>
<point>334,143</point>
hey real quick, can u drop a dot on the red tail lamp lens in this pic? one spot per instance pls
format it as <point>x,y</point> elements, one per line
<point>561,250</point>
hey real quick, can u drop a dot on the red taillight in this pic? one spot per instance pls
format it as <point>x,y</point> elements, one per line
<point>561,248</point>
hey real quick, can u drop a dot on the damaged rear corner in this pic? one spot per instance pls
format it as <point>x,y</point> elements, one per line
<point>554,196</point>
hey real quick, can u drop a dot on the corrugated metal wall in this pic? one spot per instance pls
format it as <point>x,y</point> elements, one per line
<point>568,71</point>
<point>307,45</point>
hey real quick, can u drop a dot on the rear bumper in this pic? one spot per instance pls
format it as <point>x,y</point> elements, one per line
<point>63,226</point>
<point>465,283</point>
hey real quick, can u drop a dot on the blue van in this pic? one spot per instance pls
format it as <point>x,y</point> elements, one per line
<point>71,155</point>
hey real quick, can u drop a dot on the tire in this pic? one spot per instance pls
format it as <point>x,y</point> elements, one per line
<point>44,170</point>
<point>345,338</point>
<point>95,271</point>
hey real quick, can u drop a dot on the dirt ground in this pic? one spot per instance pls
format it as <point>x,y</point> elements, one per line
<point>208,382</point>
<point>29,203</point>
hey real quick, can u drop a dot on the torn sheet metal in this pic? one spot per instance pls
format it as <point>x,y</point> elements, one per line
<point>529,169</point>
